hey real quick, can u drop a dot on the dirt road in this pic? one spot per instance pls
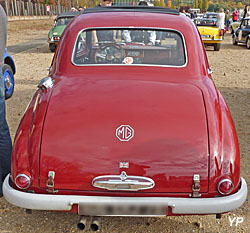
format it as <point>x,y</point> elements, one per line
<point>231,75</point>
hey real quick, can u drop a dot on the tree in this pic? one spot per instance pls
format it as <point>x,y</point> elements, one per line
<point>162,3</point>
<point>204,4</point>
<point>196,4</point>
<point>199,4</point>
<point>169,4</point>
<point>157,3</point>
<point>211,7</point>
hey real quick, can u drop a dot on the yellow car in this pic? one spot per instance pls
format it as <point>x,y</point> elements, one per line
<point>210,34</point>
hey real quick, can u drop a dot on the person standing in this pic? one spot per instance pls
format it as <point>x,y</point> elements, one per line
<point>5,140</point>
<point>145,36</point>
<point>227,19</point>
<point>103,35</point>
<point>246,12</point>
<point>235,15</point>
<point>221,19</point>
<point>105,3</point>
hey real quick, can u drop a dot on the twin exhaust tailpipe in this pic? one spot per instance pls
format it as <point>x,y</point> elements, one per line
<point>94,225</point>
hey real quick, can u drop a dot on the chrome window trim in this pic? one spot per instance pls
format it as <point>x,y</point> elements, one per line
<point>144,28</point>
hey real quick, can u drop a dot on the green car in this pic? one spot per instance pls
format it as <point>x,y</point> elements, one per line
<point>61,22</point>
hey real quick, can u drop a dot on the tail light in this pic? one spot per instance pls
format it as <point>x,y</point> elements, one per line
<point>221,32</point>
<point>23,181</point>
<point>225,186</point>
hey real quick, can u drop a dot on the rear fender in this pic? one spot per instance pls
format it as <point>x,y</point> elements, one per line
<point>26,147</point>
<point>225,160</point>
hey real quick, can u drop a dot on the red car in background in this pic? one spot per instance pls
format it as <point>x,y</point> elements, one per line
<point>127,123</point>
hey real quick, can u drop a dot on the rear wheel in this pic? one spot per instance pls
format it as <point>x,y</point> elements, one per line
<point>234,40</point>
<point>52,47</point>
<point>8,79</point>
<point>248,43</point>
<point>217,47</point>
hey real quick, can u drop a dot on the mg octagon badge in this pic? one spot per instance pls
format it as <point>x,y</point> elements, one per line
<point>124,133</point>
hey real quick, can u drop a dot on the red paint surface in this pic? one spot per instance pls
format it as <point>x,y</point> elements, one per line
<point>181,123</point>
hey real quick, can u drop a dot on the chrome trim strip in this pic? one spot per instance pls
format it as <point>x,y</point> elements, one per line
<point>123,182</point>
<point>179,205</point>
<point>124,65</point>
<point>46,83</point>
<point>211,39</point>
<point>209,71</point>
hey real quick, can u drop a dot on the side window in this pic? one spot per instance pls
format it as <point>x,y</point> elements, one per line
<point>81,50</point>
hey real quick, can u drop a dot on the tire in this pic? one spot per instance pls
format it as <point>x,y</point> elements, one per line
<point>52,47</point>
<point>234,40</point>
<point>217,47</point>
<point>248,43</point>
<point>8,79</point>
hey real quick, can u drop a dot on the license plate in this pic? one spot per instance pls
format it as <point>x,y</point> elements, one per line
<point>97,209</point>
<point>205,36</point>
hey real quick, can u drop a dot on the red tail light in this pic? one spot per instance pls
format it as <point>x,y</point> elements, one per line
<point>225,186</point>
<point>23,181</point>
<point>221,32</point>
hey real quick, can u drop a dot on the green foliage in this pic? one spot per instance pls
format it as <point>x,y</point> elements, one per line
<point>157,3</point>
<point>204,4</point>
<point>162,3</point>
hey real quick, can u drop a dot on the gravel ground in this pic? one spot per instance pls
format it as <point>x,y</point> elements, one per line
<point>231,75</point>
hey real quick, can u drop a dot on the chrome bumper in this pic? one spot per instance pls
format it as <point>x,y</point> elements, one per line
<point>178,205</point>
<point>208,39</point>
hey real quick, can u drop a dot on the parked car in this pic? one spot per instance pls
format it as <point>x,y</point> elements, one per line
<point>212,16</point>
<point>242,34</point>
<point>234,25</point>
<point>125,126</point>
<point>61,21</point>
<point>9,69</point>
<point>211,35</point>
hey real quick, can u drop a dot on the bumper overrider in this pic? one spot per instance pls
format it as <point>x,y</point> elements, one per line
<point>103,205</point>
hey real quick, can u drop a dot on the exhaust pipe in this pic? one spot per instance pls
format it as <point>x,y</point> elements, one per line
<point>95,224</point>
<point>81,225</point>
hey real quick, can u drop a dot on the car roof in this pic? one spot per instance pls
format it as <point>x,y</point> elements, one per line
<point>68,14</point>
<point>132,9</point>
<point>210,13</point>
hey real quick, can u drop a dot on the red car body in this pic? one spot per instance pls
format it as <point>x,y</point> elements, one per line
<point>165,128</point>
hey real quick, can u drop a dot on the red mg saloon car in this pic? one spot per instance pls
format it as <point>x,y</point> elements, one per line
<point>127,123</point>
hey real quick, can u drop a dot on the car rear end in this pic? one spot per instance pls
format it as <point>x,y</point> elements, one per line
<point>108,138</point>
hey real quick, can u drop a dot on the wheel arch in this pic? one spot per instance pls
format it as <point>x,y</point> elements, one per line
<point>9,61</point>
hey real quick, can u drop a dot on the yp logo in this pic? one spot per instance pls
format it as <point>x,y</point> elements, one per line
<point>235,220</point>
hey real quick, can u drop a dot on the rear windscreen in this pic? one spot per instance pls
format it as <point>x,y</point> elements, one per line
<point>129,46</point>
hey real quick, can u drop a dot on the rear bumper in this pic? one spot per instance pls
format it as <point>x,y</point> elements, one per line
<point>53,42</point>
<point>178,205</point>
<point>211,40</point>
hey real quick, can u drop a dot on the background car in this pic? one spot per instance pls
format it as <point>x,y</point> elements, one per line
<point>212,16</point>
<point>242,33</point>
<point>126,126</point>
<point>61,22</point>
<point>211,35</point>
<point>9,70</point>
<point>234,25</point>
